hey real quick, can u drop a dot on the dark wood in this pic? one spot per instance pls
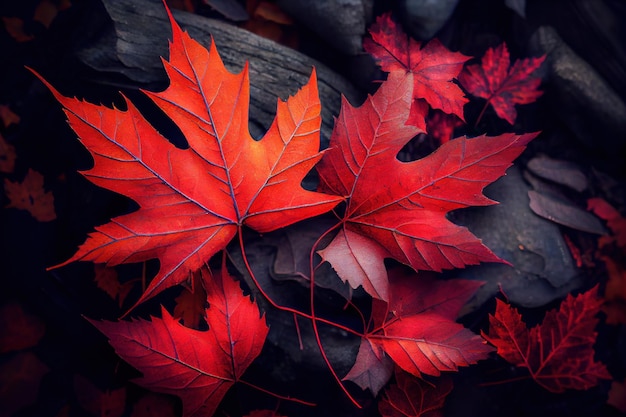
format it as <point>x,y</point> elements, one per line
<point>140,33</point>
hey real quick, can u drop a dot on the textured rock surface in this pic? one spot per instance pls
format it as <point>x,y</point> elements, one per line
<point>541,267</point>
<point>275,70</point>
<point>424,18</point>
<point>342,23</point>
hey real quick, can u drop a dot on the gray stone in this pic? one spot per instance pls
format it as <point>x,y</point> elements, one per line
<point>139,35</point>
<point>341,23</point>
<point>586,103</point>
<point>541,270</point>
<point>424,18</point>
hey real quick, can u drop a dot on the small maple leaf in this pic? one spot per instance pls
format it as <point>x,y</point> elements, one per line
<point>417,330</point>
<point>7,156</point>
<point>7,116</point>
<point>617,396</point>
<point>199,367</point>
<point>501,85</point>
<point>396,209</point>
<point>558,353</point>
<point>193,201</point>
<point>413,397</point>
<point>15,28</point>
<point>30,195</point>
<point>433,66</point>
<point>18,329</point>
<point>107,280</point>
<point>613,218</point>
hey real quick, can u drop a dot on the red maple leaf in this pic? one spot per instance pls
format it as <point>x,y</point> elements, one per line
<point>558,353</point>
<point>199,367</point>
<point>433,66</point>
<point>613,218</point>
<point>193,201</point>
<point>398,210</point>
<point>413,397</point>
<point>502,85</point>
<point>417,330</point>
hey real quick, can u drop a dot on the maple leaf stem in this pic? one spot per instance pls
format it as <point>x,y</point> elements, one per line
<point>284,308</point>
<point>273,394</point>
<point>314,318</point>
<point>482,112</point>
<point>505,381</point>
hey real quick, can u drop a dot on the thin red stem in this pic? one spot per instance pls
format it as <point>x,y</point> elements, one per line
<point>284,308</point>
<point>480,116</point>
<point>314,321</point>
<point>273,394</point>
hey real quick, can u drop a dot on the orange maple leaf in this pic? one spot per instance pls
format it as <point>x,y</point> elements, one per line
<point>193,201</point>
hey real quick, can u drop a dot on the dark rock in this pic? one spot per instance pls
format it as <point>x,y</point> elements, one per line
<point>586,103</point>
<point>139,36</point>
<point>341,23</point>
<point>424,18</point>
<point>594,29</point>
<point>541,270</point>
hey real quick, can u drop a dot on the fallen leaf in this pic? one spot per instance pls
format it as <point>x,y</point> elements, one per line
<point>193,201</point>
<point>18,328</point>
<point>417,330</point>
<point>106,279</point>
<point>413,397</point>
<point>617,396</point>
<point>613,218</point>
<point>615,291</point>
<point>15,28</point>
<point>404,216</point>
<point>503,85</point>
<point>199,367</point>
<point>99,403</point>
<point>564,212</point>
<point>8,117</point>
<point>20,377</point>
<point>559,171</point>
<point>272,12</point>
<point>29,195</point>
<point>45,12</point>
<point>372,369</point>
<point>558,353</point>
<point>7,156</point>
<point>433,66</point>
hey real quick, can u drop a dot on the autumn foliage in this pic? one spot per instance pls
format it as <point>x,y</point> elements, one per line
<point>194,202</point>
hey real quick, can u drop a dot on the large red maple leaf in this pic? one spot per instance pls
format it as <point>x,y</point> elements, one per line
<point>398,210</point>
<point>197,366</point>
<point>433,66</point>
<point>192,201</point>
<point>558,353</point>
<point>502,85</point>
<point>417,331</point>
